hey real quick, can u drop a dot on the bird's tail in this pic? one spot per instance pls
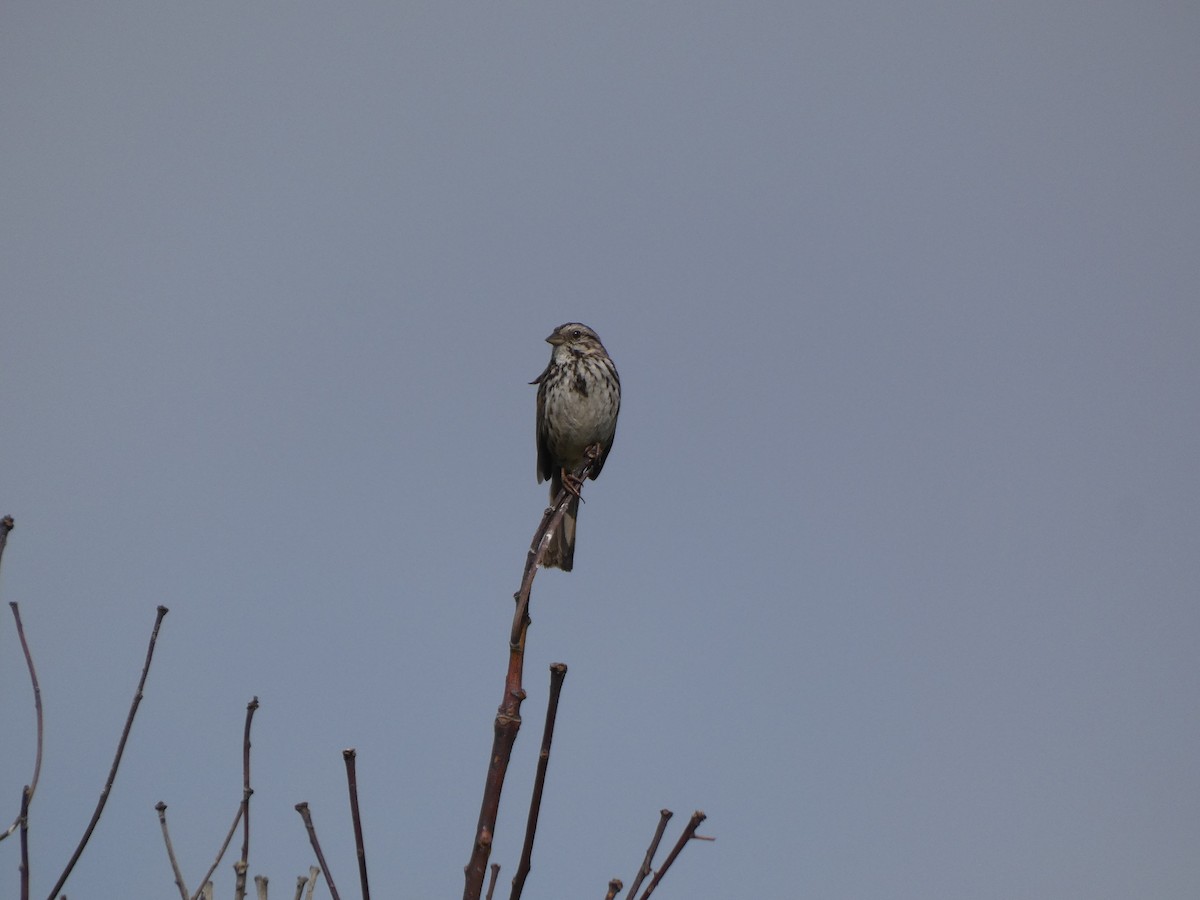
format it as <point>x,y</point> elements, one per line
<point>560,554</point>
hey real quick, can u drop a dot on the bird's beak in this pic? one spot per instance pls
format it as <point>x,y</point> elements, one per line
<point>556,339</point>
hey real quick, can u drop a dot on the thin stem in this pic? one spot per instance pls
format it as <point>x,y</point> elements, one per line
<point>251,708</point>
<point>26,796</point>
<point>239,880</point>
<point>614,888</point>
<point>5,527</point>
<point>558,672</point>
<point>688,833</point>
<point>492,881</point>
<point>162,820</point>
<point>508,716</point>
<point>243,810</point>
<point>112,772</point>
<point>302,808</point>
<point>349,755</point>
<point>664,816</point>
<point>260,886</point>
<point>313,871</point>
<point>220,853</point>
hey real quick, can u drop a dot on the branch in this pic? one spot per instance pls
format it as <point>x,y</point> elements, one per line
<point>313,872</point>
<point>492,881</point>
<point>614,888</point>
<point>26,795</point>
<point>558,672</point>
<point>5,527</point>
<point>220,853</point>
<point>260,886</point>
<point>664,816</point>
<point>349,755</point>
<point>239,880</point>
<point>302,808</point>
<point>243,810</point>
<point>112,772</point>
<point>162,820</point>
<point>688,833</point>
<point>508,716</point>
<point>251,708</point>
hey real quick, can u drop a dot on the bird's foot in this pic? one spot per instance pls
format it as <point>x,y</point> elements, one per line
<point>572,483</point>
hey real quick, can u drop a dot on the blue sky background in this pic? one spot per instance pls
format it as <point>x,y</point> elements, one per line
<point>893,570</point>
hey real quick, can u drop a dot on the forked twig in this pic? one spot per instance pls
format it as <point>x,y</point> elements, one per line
<point>5,527</point>
<point>508,716</point>
<point>237,817</point>
<point>664,816</point>
<point>688,833</point>
<point>302,808</point>
<point>558,672</point>
<point>162,820</point>
<point>349,755</point>
<point>112,772</point>
<point>243,809</point>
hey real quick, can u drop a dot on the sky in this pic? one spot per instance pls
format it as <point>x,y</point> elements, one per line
<point>893,570</point>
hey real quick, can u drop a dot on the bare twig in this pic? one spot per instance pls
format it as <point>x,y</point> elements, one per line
<point>23,818</point>
<point>251,708</point>
<point>688,833</point>
<point>349,755</point>
<point>260,886</point>
<point>614,888</point>
<point>492,881</point>
<point>162,820</point>
<point>239,880</point>
<point>5,527</point>
<point>313,872</point>
<point>243,810</point>
<point>302,808</point>
<point>301,881</point>
<point>112,772</point>
<point>220,853</point>
<point>558,672</point>
<point>508,716</point>
<point>664,816</point>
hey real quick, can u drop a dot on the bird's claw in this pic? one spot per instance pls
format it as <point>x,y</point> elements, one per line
<point>572,482</point>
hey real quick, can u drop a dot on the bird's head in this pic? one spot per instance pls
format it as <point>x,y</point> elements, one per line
<point>574,339</point>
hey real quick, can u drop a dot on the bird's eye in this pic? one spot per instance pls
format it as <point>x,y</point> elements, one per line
<point>576,334</point>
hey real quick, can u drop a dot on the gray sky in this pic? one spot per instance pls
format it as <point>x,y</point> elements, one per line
<point>894,567</point>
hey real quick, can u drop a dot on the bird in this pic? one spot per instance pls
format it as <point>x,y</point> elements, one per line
<point>578,399</point>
